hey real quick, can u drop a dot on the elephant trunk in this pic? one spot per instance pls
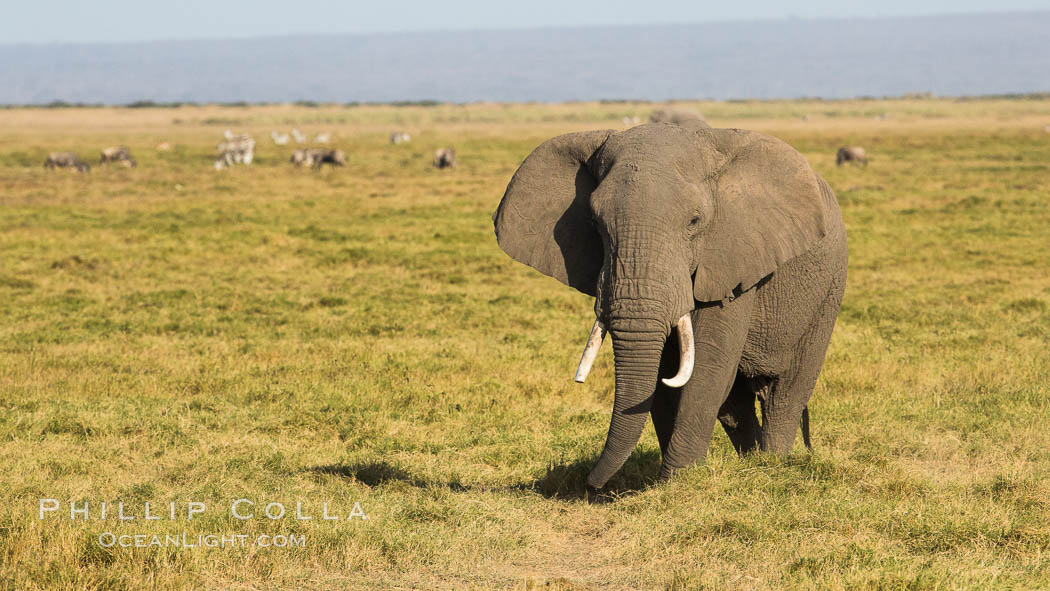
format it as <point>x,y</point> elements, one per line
<point>636,352</point>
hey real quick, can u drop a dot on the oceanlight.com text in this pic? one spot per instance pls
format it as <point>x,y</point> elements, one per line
<point>190,541</point>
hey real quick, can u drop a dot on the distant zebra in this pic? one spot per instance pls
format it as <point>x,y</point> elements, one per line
<point>238,149</point>
<point>279,138</point>
<point>306,157</point>
<point>322,138</point>
<point>399,137</point>
<point>299,136</point>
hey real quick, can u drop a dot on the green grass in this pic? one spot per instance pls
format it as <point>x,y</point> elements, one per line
<point>174,334</point>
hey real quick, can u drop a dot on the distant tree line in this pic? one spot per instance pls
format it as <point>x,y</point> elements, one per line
<point>150,104</point>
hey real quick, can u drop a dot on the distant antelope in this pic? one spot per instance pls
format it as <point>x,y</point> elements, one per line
<point>331,157</point>
<point>445,158</point>
<point>315,157</point>
<point>117,154</point>
<point>855,154</point>
<point>66,160</point>
<point>676,116</point>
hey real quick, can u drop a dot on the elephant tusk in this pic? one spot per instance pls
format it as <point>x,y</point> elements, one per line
<point>685,344</point>
<point>590,352</point>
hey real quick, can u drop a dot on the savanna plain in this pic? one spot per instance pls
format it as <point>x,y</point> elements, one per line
<point>173,333</point>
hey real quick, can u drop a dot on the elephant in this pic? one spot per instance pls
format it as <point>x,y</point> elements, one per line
<point>671,227</point>
<point>66,160</point>
<point>851,154</point>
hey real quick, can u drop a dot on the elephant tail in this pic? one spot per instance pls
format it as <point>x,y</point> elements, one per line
<point>805,428</point>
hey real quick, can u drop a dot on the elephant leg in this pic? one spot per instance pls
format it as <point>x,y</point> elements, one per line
<point>738,417</point>
<point>721,331</point>
<point>665,399</point>
<point>787,398</point>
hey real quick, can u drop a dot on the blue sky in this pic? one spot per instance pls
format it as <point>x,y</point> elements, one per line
<point>138,20</point>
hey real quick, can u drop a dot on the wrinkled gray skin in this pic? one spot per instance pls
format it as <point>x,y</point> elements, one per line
<point>676,116</point>
<point>445,158</point>
<point>119,154</point>
<point>854,154</point>
<point>732,227</point>
<point>66,160</point>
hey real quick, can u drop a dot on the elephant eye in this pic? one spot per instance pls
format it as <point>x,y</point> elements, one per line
<point>695,223</point>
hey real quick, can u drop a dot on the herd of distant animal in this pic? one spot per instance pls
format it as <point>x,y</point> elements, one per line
<point>240,148</point>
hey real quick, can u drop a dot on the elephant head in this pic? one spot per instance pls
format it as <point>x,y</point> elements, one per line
<point>654,222</point>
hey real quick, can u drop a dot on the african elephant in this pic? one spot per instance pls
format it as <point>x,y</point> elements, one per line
<point>672,227</point>
<point>851,154</point>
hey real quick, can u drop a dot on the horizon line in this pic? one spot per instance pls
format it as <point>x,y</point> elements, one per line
<point>427,103</point>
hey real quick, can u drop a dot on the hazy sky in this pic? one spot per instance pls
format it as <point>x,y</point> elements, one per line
<point>138,20</point>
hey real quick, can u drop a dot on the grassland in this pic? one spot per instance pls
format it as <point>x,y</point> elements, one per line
<point>172,333</point>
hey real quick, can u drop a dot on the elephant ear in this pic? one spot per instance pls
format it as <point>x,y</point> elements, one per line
<point>544,219</point>
<point>768,208</point>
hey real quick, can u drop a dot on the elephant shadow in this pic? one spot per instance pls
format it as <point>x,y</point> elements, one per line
<point>568,481</point>
<point>373,474</point>
<point>565,481</point>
